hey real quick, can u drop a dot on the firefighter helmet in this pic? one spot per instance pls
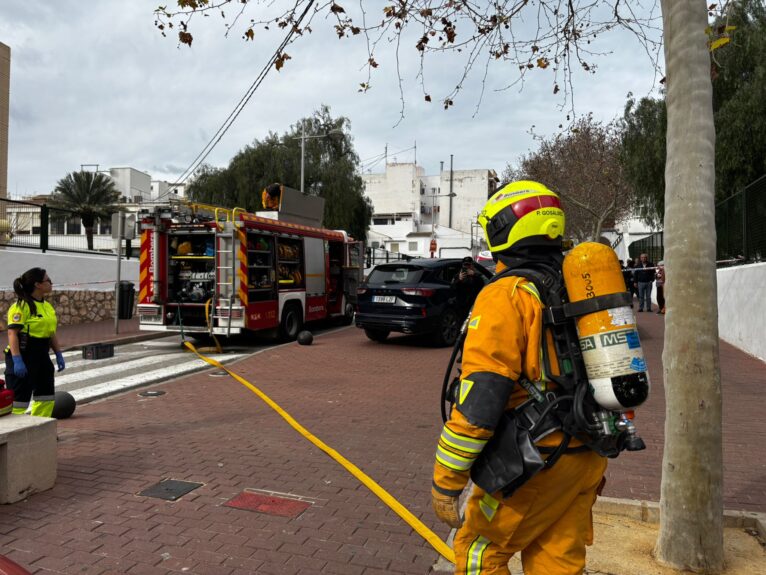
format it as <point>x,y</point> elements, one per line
<point>522,214</point>
<point>184,249</point>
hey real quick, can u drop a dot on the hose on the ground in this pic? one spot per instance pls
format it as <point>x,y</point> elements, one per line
<point>440,546</point>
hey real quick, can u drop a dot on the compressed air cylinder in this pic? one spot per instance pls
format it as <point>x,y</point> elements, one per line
<point>608,338</point>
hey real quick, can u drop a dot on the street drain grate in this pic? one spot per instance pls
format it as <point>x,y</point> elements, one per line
<point>170,489</point>
<point>268,504</point>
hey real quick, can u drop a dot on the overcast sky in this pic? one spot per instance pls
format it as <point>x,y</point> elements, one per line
<point>96,83</point>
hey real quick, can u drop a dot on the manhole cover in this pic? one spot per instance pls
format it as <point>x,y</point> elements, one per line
<point>268,504</point>
<point>151,393</point>
<point>170,489</point>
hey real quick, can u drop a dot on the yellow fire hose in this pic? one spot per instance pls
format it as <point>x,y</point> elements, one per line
<point>441,547</point>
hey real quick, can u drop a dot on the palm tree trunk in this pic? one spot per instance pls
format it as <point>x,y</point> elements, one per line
<point>89,238</point>
<point>691,501</point>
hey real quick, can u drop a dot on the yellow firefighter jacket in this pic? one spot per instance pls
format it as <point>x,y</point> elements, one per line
<point>504,337</point>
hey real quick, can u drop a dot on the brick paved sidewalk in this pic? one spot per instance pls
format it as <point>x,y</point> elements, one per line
<point>743,381</point>
<point>376,404</point>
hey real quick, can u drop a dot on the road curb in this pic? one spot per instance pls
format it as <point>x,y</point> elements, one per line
<point>649,512</point>
<point>117,340</point>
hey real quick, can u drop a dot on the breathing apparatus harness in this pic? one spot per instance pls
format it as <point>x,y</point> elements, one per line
<point>510,458</point>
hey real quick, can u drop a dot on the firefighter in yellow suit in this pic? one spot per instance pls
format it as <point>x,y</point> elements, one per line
<point>271,197</point>
<point>547,519</point>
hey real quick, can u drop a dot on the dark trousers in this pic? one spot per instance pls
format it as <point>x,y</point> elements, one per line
<point>40,373</point>
<point>660,297</point>
<point>645,296</point>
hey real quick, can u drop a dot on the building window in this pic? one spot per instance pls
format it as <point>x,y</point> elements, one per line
<point>57,226</point>
<point>413,246</point>
<point>105,226</point>
<point>379,221</point>
<point>73,227</point>
<point>394,248</point>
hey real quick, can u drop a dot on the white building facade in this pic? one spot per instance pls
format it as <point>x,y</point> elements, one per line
<point>410,209</point>
<point>135,186</point>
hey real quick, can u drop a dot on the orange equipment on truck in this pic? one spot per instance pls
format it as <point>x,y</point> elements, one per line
<point>231,271</point>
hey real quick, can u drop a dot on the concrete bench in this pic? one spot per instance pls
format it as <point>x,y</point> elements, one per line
<point>28,452</point>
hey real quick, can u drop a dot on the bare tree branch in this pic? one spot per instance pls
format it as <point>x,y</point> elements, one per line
<point>556,36</point>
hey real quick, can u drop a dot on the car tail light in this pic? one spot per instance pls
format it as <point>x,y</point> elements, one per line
<point>425,292</point>
<point>360,291</point>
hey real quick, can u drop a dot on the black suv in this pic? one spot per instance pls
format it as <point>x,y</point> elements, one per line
<point>415,297</point>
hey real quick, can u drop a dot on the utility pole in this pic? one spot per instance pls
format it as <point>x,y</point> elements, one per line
<point>439,191</point>
<point>303,139</point>
<point>303,149</point>
<point>120,233</point>
<point>451,194</point>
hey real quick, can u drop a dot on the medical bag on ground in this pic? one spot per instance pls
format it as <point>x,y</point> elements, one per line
<point>6,399</point>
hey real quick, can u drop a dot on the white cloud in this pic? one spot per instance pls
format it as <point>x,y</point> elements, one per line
<point>97,83</point>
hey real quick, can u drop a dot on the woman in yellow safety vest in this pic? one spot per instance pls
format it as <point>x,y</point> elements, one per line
<point>31,334</point>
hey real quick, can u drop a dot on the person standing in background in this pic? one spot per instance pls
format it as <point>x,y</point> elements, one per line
<point>31,335</point>
<point>468,284</point>
<point>643,276</point>
<point>659,281</point>
<point>628,275</point>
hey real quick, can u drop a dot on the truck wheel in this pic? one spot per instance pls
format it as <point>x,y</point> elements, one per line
<point>292,322</point>
<point>376,334</point>
<point>348,315</point>
<point>448,329</point>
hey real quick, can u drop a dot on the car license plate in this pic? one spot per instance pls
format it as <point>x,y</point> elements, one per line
<point>383,299</point>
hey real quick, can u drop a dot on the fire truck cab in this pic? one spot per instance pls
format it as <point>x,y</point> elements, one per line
<point>234,272</point>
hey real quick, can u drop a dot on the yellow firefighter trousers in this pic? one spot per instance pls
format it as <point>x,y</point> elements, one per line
<point>548,520</point>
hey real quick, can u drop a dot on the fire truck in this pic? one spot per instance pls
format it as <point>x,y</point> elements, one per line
<point>207,270</point>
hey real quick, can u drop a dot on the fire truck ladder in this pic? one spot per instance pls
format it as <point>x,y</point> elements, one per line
<point>227,240</point>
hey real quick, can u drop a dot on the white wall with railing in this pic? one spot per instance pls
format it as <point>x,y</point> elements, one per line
<point>68,271</point>
<point>742,307</point>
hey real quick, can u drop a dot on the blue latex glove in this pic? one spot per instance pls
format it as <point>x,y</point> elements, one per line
<point>60,361</point>
<point>19,367</point>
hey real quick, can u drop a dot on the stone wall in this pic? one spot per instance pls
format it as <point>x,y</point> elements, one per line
<point>72,307</point>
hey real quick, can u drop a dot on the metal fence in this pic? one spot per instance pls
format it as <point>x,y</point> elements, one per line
<point>375,256</point>
<point>740,226</point>
<point>740,223</point>
<point>37,226</point>
<point>651,245</point>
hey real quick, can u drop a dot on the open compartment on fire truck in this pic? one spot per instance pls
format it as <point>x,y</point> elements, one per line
<point>290,270</point>
<point>261,277</point>
<point>191,274</point>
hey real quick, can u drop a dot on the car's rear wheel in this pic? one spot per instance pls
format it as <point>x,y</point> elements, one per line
<point>376,334</point>
<point>449,328</point>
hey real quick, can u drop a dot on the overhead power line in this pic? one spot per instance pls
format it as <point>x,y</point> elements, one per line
<point>205,152</point>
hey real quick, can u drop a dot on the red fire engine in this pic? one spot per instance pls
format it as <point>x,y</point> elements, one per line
<point>233,271</point>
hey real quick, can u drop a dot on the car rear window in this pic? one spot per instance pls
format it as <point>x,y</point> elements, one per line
<point>395,274</point>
